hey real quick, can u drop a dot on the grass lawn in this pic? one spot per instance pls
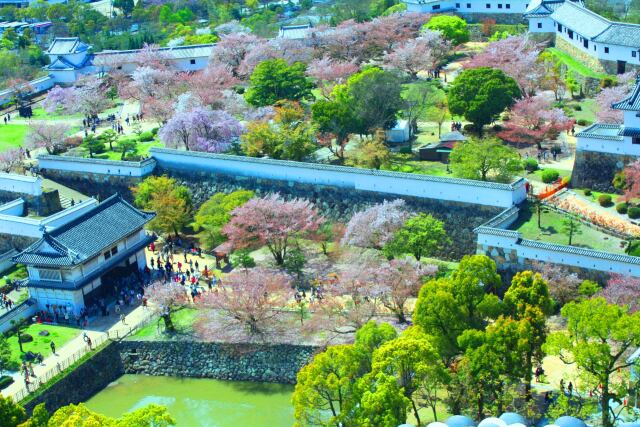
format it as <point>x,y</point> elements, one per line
<point>41,344</point>
<point>183,321</point>
<point>574,65</point>
<point>537,175</point>
<point>18,271</point>
<point>551,232</point>
<point>12,136</point>
<point>405,163</point>
<point>143,150</point>
<point>588,109</point>
<point>39,113</point>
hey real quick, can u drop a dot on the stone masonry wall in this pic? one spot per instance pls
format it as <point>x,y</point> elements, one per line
<point>596,170</point>
<point>82,383</point>
<point>99,186</point>
<point>44,205</point>
<point>238,362</point>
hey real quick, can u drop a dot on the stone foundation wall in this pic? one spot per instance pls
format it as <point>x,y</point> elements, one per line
<point>82,383</point>
<point>8,242</point>
<point>44,205</point>
<point>596,170</point>
<point>95,185</point>
<point>237,362</point>
<point>340,204</point>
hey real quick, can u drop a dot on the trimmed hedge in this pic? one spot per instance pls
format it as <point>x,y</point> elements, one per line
<point>604,200</point>
<point>634,248</point>
<point>587,191</point>
<point>633,212</point>
<point>146,136</point>
<point>5,381</point>
<point>530,164</point>
<point>622,207</point>
<point>550,175</point>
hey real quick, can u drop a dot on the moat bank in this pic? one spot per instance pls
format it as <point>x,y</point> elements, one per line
<point>200,402</point>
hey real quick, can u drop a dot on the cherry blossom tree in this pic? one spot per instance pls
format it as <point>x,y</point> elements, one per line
<point>622,290</point>
<point>250,302</point>
<point>201,129</point>
<point>208,85</point>
<point>533,120</point>
<point>517,57</point>
<point>397,281</point>
<point>58,97</point>
<point>232,48</point>
<point>166,299</point>
<point>148,82</point>
<point>158,109</point>
<point>375,226</point>
<point>632,181</point>
<point>10,160</point>
<point>564,285</point>
<point>272,222</point>
<point>424,53</point>
<point>329,72</point>
<point>610,95</point>
<point>49,136</point>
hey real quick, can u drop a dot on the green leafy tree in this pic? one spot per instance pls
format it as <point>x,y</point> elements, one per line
<point>375,96</point>
<point>421,235</point>
<point>381,402</point>
<point>373,154</point>
<point>39,417</point>
<point>274,80</point>
<point>336,121</point>
<point>414,362</point>
<point>127,146</point>
<point>5,355</point>
<point>93,145</point>
<point>11,413</point>
<point>215,213</point>
<point>80,415</point>
<point>371,336</point>
<point>484,160</point>
<point>171,203</point>
<point>325,388</point>
<point>597,339</point>
<point>294,263</point>
<point>108,137</point>
<point>452,28</point>
<point>148,416</point>
<point>126,6</point>
<point>481,94</point>
<point>242,258</point>
<point>528,300</point>
<point>571,227</point>
<point>446,307</point>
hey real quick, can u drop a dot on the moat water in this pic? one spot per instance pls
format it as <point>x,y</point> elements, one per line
<point>195,402</point>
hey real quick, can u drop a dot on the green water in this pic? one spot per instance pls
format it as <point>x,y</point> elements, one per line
<point>200,402</point>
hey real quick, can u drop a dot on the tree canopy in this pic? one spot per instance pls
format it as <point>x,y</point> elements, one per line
<point>452,28</point>
<point>481,94</point>
<point>171,203</point>
<point>487,159</point>
<point>274,80</point>
<point>215,213</point>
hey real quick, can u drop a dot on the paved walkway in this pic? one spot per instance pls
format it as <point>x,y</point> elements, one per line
<point>99,330</point>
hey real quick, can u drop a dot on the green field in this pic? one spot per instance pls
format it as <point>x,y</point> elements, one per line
<point>551,232</point>
<point>574,65</point>
<point>183,321</point>
<point>60,335</point>
<point>12,136</point>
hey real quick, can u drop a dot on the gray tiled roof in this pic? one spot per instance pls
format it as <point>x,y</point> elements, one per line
<point>609,132</point>
<point>625,131</point>
<point>580,251</point>
<point>539,9</point>
<point>61,64</point>
<point>86,236</point>
<point>587,23</point>
<point>178,52</point>
<point>632,101</point>
<point>66,45</point>
<point>620,34</point>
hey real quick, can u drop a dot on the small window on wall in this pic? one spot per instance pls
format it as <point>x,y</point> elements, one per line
<point>499,6</point>
<point>468,5</point>
<point>435,7</point>
<point>559,28</point>
<point>488,6</point>
<point>192,61</point>
<point>570,33</point>
<point>508,6</point>
<point>457,5</point>
<point>539,24</point>
<point>635,140</point>
<point>606,50</point>
<point>634,53</point>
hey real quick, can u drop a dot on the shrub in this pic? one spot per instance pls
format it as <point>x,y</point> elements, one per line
<point>146,136</point>
<point>604,200</point>
<point>154,131</point>
<point>577,107</point>
<point>633,248</point>
<point>405,150</point>
<point>5,381</point>
<point>607,82</point>
<point>587,192</point>
<point>469,128</point>
<point>583,122</point>
<point>25,338</point>
<point>497,128</point>
<point>530,164</point>
<point>550,175</point>
<point>633,212</point>
<point>73,142</point>
<point>622,207</point>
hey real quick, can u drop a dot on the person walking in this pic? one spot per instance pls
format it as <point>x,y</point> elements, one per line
<point>123,319</point>
<point>53,347</point>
